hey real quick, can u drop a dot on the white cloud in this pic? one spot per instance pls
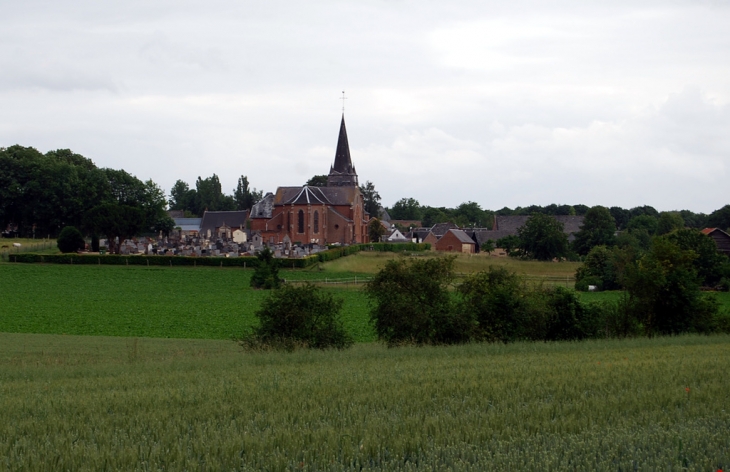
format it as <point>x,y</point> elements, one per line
<point>501,103</point>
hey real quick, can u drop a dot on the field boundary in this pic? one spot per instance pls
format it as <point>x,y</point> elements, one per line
<point>242,262</point>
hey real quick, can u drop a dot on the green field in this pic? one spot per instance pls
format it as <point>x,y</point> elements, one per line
<point>162,302</point>
<point>180,302</point>
<point>95,403</point>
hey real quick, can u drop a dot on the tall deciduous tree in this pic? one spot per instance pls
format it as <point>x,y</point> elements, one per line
<point>542,238</point>
<point>317,181</point>
<point>375,230</point>
<point>114,221</point>
<point>720,218</point>
<point>406,209</point>
<point>371,198</point>
<point>668,222</point>
<point>243,195</point>
<point>598,229</point>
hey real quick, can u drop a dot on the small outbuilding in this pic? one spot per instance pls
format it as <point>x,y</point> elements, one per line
<point>455,240</point>
<point>721,238</point>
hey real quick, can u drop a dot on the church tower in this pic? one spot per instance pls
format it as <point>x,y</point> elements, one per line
<point>342,173</point>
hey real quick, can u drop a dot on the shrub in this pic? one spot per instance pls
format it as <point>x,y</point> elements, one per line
<point>70,240</point>
<point>303,316</point>
<point>266,275</point>
<point>412,303</point>
<point>664,291</point>
<point>496,298</point>
<point>583,283</point>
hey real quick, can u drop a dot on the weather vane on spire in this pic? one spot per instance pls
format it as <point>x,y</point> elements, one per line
<point>343,101</point>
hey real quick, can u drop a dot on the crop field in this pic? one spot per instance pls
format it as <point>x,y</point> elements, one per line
<point>370,262</point>
<point>97,403</point>
<point>180,302</point>
<point>162,302</point>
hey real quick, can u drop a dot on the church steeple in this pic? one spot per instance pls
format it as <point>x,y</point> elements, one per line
<point>342,173</point>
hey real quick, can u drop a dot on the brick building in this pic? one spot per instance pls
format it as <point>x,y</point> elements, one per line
<point>321,215</point>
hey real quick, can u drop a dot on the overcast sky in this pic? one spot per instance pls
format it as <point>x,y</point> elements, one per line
<point>502,103</point>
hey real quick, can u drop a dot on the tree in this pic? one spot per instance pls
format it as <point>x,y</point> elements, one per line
<point>210,196</point>
<point>644,210</point>
<point>496,298</point>
<point>668,222</point>
<point>375,230</point>
<point>711,266</point>
<point>663,290</point>
<point>411,303</point>
<point>432,216</point>
<point>509,243</point>
<point>406,209</point>
<point>487,246</point>
<point>371,198</point>
<point>114,221</point>
<point>598,228</point>
<point>164,224</point>
<point>70,240</point>
<point>266,275</point>
<point>602,268</point>
<point>542,238</point>
<point>182,197</point>
<point>317,181</point>
<point>621,216</point>
<point>720,218</point>
<point>645,222</point>
<point>244,197</point>
<point>473,215</point>
<point>299,316</point>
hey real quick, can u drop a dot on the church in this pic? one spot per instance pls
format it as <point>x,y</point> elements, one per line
<point>334,214</point>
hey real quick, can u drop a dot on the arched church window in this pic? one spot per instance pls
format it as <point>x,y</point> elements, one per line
<point>316,222</point>
<point>301,221</point>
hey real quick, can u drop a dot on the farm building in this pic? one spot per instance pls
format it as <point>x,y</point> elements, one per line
<point>455,240</point>
<point>721,238</point>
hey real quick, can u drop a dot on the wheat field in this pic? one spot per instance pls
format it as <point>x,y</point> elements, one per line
<point>97,403</point>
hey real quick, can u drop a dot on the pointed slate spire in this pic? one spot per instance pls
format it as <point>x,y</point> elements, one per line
<point>342,173</point>
<point>343,162</point>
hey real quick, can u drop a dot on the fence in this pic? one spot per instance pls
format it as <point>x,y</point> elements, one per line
<point>357,280</point>
<point>6,252</point>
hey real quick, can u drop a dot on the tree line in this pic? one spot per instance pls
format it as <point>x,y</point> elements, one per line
<point>471,214</point>
<point>42,193</point>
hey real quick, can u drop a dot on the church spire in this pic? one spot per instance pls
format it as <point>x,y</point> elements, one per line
<point>342,173</point>
<point>343,162</point>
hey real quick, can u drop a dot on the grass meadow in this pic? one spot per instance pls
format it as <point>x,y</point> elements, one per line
<point>106,403</point>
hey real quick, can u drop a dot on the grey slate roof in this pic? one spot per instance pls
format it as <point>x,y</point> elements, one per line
<point>309,195</point>
<point>483,235</point>
<point>330,195</point>
<point>216,219</point>
<point>439,229</point>
<point>343,162</point>
<point>571,223</point>
<point>188,224</point>
<point>461,236</point>
<point>264,208</point>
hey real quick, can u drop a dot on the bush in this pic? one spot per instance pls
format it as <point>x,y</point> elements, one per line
<point>496,298</point>
<point>303,316</point>
<point>663,289</point>
<point>266,275</point>
<point>412,303</point>
<point>583,284</point>
<point>70,240</point>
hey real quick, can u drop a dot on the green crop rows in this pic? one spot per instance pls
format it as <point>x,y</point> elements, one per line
<point>209,303</point>
<point>95,403</point>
